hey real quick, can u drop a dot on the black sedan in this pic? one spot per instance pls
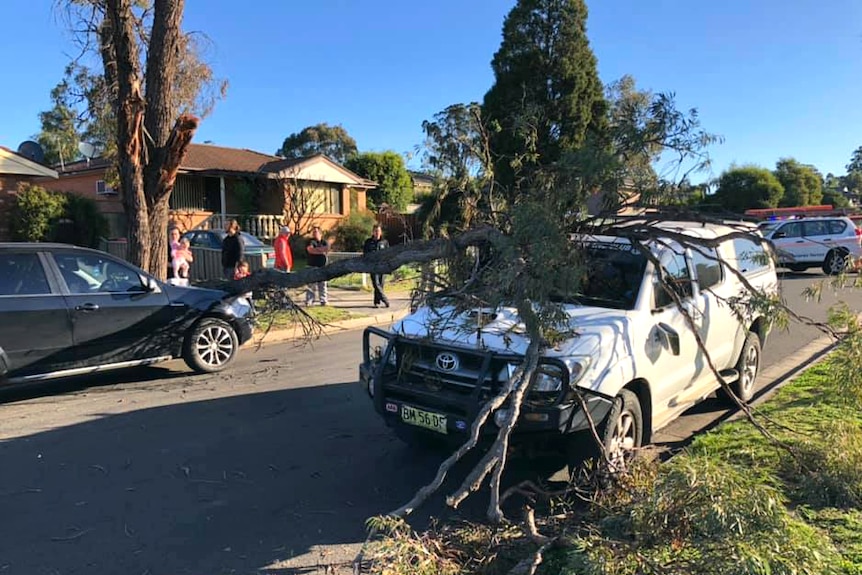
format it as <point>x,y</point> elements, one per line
<point>66,311</point>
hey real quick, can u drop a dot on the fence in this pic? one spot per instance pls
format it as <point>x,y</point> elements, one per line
<point>399,228</point>
<point>264,226</point>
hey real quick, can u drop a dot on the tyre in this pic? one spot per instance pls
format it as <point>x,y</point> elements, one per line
<point>210,346</point>
<point>835,262</point>
<point>621,433</point>
<point>797,267</point>
<point>748,366</point>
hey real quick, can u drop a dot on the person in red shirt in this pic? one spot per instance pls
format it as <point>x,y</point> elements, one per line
<point>283,255</point>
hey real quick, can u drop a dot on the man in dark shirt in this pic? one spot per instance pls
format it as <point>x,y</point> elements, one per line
<point>317,249</point>
<point>372,244</point>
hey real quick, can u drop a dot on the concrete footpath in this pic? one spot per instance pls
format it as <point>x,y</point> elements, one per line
<point>358,302</point>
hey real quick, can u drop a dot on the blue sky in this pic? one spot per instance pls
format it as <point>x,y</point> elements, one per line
<point>775,78</point>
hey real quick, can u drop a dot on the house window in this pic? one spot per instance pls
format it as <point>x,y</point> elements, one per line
<point>103,189</point>
<point>322,198</point>
<point>189,194</point>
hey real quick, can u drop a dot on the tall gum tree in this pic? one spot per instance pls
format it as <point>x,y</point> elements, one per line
<point>154,80</point>
<point>547,95</point>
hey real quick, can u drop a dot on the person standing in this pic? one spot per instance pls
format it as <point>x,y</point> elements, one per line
<point>317,249</point>
<point>231,249</point>
<point>372,244</point>
<point>173,244</point>
<point>283,255</point>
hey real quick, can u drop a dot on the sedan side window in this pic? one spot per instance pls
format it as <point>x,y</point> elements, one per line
<point>200,240</point>
<point>86,274</point>
<point>22,274</point>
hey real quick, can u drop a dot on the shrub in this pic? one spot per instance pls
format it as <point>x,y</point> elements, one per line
<point>353,230</point>
<point>82,223</point>
<point>36,210</point>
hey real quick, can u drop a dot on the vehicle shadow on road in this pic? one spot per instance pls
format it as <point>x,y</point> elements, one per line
<point>234,484</point>
<point>92,382</point>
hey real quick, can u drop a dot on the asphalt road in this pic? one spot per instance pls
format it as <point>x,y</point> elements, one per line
<point>271,467</point>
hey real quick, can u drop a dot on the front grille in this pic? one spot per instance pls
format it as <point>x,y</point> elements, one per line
<point>433,369</point>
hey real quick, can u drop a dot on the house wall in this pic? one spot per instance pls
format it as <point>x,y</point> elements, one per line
<point>84,184</point>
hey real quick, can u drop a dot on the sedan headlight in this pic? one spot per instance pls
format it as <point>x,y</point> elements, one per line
<point>238,306</point>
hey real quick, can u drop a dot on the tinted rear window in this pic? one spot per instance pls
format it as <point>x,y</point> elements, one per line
<point>22,274</point>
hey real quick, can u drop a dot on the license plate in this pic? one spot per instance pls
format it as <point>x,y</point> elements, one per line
<point>426,419</point>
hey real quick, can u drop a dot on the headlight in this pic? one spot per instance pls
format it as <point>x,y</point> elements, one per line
<point>549,377</point>
<point>578,366</point>
<point>238,306</point>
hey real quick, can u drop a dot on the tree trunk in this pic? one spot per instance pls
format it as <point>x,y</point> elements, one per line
<point>174,151</point>
<point>122,49</point>
<point>165,147</point>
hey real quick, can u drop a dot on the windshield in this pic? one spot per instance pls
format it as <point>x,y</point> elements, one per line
<point>612,276</point>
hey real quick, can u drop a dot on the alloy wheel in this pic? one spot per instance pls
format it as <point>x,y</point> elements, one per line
<point>214,345</point>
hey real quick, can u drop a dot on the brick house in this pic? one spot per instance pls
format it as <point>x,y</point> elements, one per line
<point>15,170</point>
<point>215,183</point>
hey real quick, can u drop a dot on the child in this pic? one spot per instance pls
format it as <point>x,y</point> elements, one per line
<point>181,257</point>
<point>242,270</point>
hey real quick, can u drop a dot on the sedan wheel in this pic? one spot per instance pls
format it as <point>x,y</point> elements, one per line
<point>210,346</point>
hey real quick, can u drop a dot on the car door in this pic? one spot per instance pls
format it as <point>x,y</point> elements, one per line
<point>115,316</point>
<point>721,327</point>
<point>671,345</point>
<point>36,333</point>
<point>818,239</point>
<point>790,244</point>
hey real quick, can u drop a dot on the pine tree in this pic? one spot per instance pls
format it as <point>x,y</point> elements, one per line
<point>547,97</point>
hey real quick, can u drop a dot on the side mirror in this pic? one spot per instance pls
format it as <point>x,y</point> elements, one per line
<point>779,235</point>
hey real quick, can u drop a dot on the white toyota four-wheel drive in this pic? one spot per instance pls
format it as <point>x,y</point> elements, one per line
<point>631,357</point>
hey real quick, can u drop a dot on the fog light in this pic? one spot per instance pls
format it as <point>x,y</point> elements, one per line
<point>500,417</point>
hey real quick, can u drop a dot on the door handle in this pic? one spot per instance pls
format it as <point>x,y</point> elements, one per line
<point>800,241</point>
<point>87,307</point>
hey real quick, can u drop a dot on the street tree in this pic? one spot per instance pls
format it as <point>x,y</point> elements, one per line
<point>332,141</point>
<point>394,186</point>
<point>144,106</point>
<point>457,151</point>
<point>833,191</point>
<point>855,164</point>
<point>59,136</point>
<point>745,187</point>
<point>803,184</point>
<point>547,97</point>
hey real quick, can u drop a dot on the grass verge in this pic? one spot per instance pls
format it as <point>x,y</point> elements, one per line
<point>734,502</point>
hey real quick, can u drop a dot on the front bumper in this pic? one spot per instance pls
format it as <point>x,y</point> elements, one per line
<point>392,392</point>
